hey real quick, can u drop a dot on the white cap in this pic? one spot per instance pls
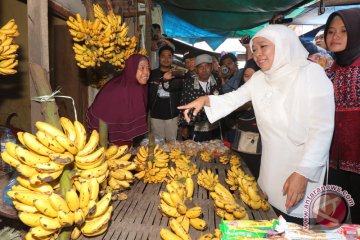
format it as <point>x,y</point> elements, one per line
<point>203,58</point>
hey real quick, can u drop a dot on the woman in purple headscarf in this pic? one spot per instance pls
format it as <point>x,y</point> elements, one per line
<point>122,103</point>
<point>342,37</point>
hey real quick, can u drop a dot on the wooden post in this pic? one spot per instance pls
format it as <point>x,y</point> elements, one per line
<point>39,61</point>
<point>148,26</point>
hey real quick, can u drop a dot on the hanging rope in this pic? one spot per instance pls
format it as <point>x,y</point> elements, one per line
<point>51,98</point>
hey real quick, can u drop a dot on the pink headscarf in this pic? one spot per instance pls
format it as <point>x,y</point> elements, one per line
<point>122,104</point>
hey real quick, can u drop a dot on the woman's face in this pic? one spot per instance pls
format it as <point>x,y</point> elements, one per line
<point>263,52</point>
<point>248,73</point>
<point>336,37</point>
<point>143,72</point>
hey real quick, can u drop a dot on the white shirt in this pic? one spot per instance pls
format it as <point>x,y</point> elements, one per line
<point>281,156</point>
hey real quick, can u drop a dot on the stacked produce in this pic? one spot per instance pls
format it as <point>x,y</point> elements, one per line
<point>8,48</point>
<point>102,40</point>
<point>249,192</point>
<point>41,161</point>
<point>175,174</point>
<point>184,163</point>
<point>207,179</point>
<point>210,236</point>
<point>120,167</point>
<point>152,168</point>
<point>226,205</point>
<point>206,156</point>
<point>224,159</point>
<point>172,204</point>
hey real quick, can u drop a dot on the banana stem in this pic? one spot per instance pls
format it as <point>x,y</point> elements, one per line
<point>65,185</point>
<point>103,132</point>
<point>89,10</point>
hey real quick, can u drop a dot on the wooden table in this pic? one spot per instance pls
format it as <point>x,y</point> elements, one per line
<point>138,218</point>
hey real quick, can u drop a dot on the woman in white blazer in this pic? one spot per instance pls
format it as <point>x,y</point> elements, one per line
<point>294,107</point>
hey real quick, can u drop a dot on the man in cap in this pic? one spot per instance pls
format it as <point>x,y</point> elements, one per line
<point>189,61</point>
<point>203,83</point>
<point>164,96</point>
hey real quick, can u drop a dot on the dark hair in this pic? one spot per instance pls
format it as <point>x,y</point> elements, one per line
<point>165,47</point>
<point>155,26</point>
<point>228,55</point>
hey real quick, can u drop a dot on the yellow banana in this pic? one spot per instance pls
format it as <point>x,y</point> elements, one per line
<point>75,234</point>
<point>9,25</point>
<point>28,197</point>
<point>49,142</point>
<point>72,199</point>
<point>42,188</point>
<point>84,196</point>
<point>69,128</point>
<point>102,205</point>
<point>6,157</point>
<point>24,208</point>
<point>90,145</point>
<point>198,223</point>
<point>255,204</point>
<point>49,223</point>
<point>140,175</point>
<point>94,173</point>
<point>100,231</point>
<point>80,139</point>
<point>189,186</point>
<point>44,177</point>
<point>121,150</point>
<point>79,217</point>
<point>239,212</point>
<point>96,163</point>
<point>93,189</point>
<point>166,234</point>
<point>67,144</point>
<point>111,151</point>
<point>30,158</point>
<point>11,149</point>
<point>265,206</point>
<point>30,219</point>
<point>66,219</point>
<point>167,198</point>
<point>44,206</point>
<point>41,232</point>
<point>20,137</point>
<point>58,203</point>
<point>49,167</point>
<point>31,142</point>
<point>122,174</point>
<point>88,159</point>
<point>193,212</point>
<point>185,223</point>
<point>94,224</point>
<point>253,194</point>
<point>26,170</point>
<point>49,129</point>
<point>178,229</point>
<point>169,210</point>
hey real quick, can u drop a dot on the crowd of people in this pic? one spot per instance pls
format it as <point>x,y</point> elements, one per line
<point>303,98</point>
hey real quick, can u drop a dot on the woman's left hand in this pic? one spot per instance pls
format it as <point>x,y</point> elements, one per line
<point>294,189</point>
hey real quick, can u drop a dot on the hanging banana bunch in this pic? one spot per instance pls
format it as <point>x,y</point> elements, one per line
<point>102,40</point>
<point>8,48</point>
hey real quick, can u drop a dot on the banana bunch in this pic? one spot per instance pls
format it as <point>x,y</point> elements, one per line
<point>185,164</point>
<point>178,232</point>
<point>175,154</point>
<point>250,194</point>
<point>207,179</point>
<point>47,212</point>
<point>176,174</point>
<point>143,52</point>
<point>210,236</point>
<point>152,168</point>
<point>232,176</point>
<point>235,160</point>
<point>206,156</point>
<point>224,159</point>
<point>226,205</point>
<point>8,48</point>
<point>44,155</point>
<point>120,167</point>
<point>102,40</point>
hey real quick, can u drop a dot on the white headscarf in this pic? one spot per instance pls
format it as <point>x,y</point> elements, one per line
<point>287,75</point>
